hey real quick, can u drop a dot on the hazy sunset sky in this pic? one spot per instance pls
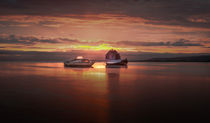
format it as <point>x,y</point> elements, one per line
<point>95,26</point>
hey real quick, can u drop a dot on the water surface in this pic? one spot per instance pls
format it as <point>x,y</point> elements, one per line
<point>140,92</point>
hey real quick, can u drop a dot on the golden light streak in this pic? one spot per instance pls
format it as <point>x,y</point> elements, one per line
<point>99,47</point>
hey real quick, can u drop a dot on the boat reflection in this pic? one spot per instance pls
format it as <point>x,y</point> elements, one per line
<point>113,80</point>
<point>116,66</point>
<point>113,87</point>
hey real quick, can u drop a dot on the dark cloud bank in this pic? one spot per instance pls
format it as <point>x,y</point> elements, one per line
<point>179,43</point>
<point>24,40</point>
<point>30,40</point>
<point>190,13</point>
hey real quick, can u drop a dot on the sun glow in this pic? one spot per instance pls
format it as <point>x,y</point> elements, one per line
<point>98,47</point>
<point>99,65</point>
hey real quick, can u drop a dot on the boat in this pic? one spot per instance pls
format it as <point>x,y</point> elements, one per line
<point>113,58</point>
<point>79,62</point>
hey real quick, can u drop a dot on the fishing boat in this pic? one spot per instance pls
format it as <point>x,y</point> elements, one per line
<point>113,58</point>
<point>79,62</point>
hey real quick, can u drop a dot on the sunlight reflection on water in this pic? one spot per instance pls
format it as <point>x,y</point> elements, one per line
<point>101,94</point>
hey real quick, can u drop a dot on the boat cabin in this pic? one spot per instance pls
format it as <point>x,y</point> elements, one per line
<point>80,61</point>
<point>112,55</point>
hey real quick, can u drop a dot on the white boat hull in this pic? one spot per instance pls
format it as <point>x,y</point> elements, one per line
<point>72,64</point>
<point>116,62</point>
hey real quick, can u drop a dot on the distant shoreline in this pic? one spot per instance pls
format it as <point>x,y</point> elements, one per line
<point>103,61</point>
<point>167,61</point>
<point>203,58</point>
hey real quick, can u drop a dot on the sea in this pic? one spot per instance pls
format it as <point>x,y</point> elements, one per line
<point>141,92</point>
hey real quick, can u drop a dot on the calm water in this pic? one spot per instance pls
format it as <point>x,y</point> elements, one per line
<point>142,92</point>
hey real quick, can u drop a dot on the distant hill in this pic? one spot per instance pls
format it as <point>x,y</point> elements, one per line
<point>203,58</point>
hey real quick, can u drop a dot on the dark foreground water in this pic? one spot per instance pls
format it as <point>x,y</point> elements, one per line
<point>142,92</point>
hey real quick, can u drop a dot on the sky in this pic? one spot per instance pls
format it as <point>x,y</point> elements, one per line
<point>138,29</point>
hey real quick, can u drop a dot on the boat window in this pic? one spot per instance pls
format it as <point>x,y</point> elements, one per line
<point>85,60</point>
<point>77,60</point>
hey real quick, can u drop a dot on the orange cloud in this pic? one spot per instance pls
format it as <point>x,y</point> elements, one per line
<point>100,32</point>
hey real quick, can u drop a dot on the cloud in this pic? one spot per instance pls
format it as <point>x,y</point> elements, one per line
<point>19,21</point>
<point>30,40</point>
<point>193,13</point>
<point>13,39</point>
<point>178,43</point>
<point>32,43</point>
<point>69,40</point>
<point>190,13</point>
<point>48,23</point>
<point>15,23</point>
<point>183,42</point>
